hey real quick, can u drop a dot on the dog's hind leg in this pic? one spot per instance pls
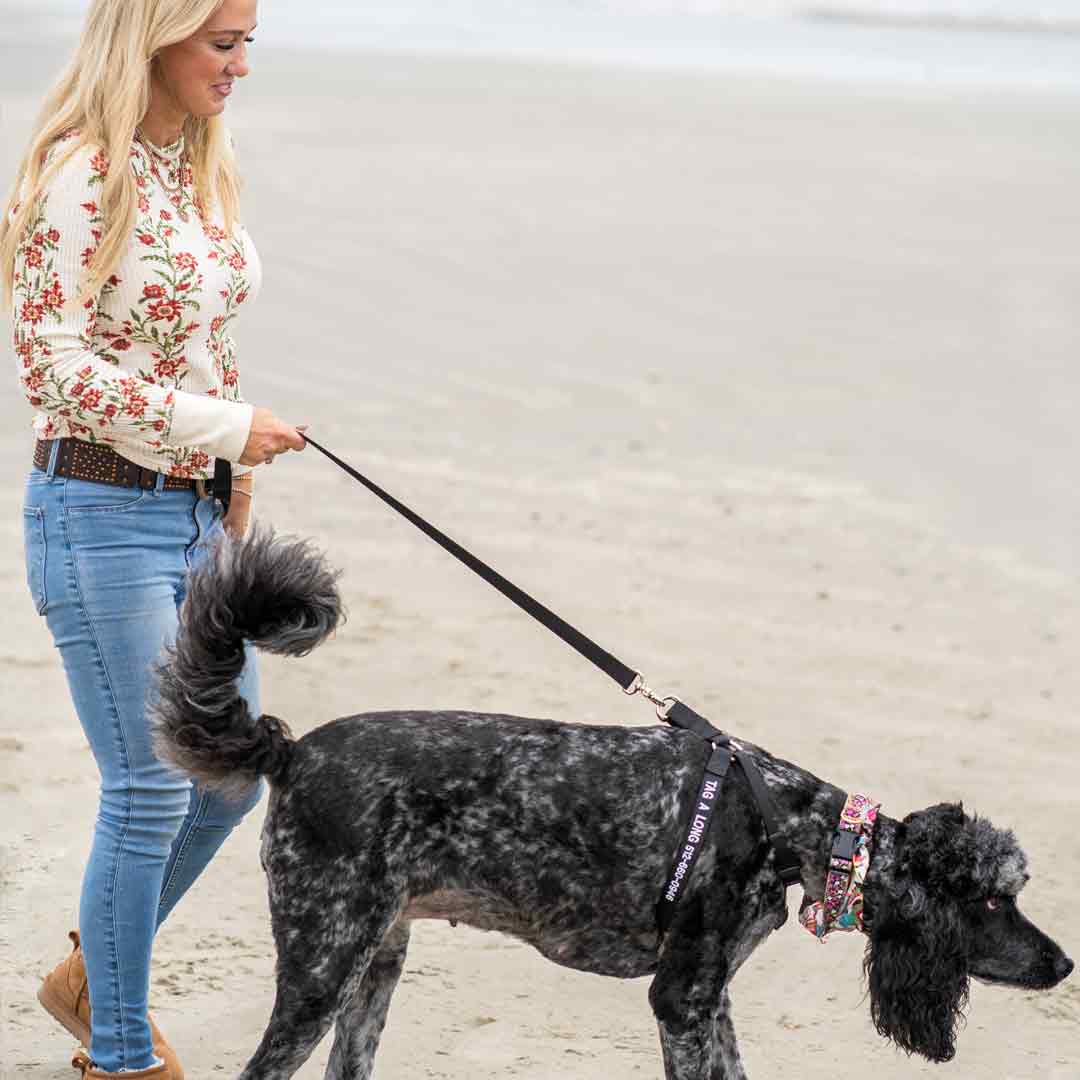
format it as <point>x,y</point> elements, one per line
<point>324,944</point>
<point>360,1022</point>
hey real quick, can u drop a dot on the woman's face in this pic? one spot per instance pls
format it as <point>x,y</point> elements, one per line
<point>195,77</point>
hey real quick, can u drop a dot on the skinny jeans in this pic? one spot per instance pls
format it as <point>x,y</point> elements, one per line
<point>107,568</point>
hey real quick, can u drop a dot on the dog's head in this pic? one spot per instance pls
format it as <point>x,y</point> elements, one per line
<point>942,909</point>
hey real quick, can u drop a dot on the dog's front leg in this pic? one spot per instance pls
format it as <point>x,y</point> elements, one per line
<point>703,1049</point>
<point>690,1001</point>
<point>726,1062</point>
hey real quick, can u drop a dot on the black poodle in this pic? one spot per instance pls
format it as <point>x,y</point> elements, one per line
<point>562,835</point>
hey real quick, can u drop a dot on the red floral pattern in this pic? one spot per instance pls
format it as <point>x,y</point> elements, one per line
<point>106,371</point>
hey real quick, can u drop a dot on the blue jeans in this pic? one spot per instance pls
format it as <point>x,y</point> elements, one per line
<point>107,568</point>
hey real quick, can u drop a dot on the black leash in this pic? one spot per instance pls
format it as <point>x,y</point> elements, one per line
<point>669,709</point>
<point>607,663</point>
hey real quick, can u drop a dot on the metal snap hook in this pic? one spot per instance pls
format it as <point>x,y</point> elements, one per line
<point>664,704</point>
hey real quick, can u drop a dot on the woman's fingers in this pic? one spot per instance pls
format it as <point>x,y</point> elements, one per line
<point>269,437</point>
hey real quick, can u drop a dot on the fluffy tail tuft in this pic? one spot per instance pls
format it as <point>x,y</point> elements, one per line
<point>278,594</point>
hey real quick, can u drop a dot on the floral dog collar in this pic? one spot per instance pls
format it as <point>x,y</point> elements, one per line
<point>842,908</point>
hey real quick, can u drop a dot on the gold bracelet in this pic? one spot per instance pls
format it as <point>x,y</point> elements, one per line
<point>240,491</point>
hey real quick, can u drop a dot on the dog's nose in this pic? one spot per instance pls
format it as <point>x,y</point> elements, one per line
<point>1063,967</point>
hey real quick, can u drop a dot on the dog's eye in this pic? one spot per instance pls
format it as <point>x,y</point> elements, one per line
<point>993,903</point>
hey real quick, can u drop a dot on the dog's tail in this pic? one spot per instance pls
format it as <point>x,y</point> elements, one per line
<point>281,596</point>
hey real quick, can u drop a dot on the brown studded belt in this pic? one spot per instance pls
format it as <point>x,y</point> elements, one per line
<point>81,460</point>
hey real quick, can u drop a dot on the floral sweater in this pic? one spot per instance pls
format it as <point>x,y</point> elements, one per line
<point>147,365</point>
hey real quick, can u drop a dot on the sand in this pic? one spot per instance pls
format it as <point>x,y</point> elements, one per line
<point>769,386</point>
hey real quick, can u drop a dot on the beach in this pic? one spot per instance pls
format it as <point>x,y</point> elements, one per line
<point>767,384</point>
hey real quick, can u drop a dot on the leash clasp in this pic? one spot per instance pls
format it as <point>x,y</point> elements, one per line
<point>663,704</point>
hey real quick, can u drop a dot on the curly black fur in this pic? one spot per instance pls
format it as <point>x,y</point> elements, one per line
<point>280,596</point>
<point>560,834</point>
<point>916,957</point>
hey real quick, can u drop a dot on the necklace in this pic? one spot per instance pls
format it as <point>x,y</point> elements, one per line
<point>172,157</point>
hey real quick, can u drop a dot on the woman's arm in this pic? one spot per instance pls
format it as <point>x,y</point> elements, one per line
<point>60,372</point>
<point>240,505</point>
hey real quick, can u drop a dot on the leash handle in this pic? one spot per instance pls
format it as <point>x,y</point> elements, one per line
<point>586,647</point>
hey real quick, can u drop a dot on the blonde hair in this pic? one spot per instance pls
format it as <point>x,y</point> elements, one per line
<point>101,97</point>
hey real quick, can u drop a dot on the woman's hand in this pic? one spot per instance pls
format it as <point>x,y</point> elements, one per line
<point>269,437</point>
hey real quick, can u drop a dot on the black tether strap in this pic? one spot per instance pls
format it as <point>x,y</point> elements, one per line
<point>694,832</point>
<point>677,714</point>
<point>787,863</point>
<point>725,751</point>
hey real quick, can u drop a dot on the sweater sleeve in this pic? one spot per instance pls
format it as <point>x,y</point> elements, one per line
<point>60,371</point>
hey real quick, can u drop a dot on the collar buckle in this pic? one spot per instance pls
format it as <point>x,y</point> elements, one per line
<point>841,905</point>
<point>845,844</point>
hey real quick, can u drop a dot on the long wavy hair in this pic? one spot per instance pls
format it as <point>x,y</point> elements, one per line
<point>99,99</point>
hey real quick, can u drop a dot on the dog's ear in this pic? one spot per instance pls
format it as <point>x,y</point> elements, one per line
<point>939,851</point>
<point>916,956</point>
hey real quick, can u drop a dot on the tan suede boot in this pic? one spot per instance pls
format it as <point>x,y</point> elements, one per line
<point>65,996</point>
<point>90,1072</point>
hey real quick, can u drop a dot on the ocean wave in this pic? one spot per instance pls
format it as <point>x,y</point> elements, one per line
<point>1023,15</point>
<point>1028,18</point>
<point>1046,15</point>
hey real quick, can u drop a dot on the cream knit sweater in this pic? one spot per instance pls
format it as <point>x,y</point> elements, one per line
<point>148,366</point>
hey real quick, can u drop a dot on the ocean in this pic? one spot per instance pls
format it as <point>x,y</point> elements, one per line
<point>1019,44</point>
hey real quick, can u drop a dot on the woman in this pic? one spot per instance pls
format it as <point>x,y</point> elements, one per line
<point>126,265</point>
